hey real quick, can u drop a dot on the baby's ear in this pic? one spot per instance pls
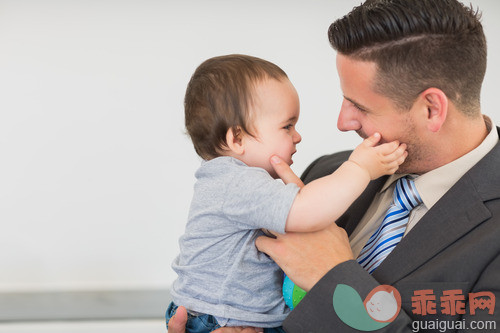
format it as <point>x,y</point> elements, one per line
<point>234,140</point>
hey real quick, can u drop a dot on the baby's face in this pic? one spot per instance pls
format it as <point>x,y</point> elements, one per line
<point>274,114</point>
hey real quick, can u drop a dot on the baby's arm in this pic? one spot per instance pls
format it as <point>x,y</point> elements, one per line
<point>321,202</point>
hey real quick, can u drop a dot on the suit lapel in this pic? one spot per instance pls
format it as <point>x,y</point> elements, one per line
<point>461,209</point>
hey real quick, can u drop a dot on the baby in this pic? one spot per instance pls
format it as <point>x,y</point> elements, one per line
<point>240,111</point>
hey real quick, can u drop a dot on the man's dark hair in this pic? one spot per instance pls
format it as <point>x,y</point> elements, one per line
<point>218,98</point>
<point>417,44</point>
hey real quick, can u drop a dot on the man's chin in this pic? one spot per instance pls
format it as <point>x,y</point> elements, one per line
<point>403,169</point>
<point>409,168</point>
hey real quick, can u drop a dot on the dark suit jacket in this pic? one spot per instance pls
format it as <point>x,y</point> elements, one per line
<point>455,246</point>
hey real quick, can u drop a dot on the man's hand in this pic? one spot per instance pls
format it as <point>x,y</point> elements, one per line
<point>305,257</point>
<point>284,172</point>
<point>177,324</point>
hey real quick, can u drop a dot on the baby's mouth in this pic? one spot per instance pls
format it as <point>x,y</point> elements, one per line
<point>291,160</point>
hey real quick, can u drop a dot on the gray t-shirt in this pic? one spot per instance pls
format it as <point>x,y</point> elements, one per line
<point>220,271</point>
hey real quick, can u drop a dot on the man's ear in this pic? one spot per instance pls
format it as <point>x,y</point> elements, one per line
<point>234,140</point>
<point>436,104</point>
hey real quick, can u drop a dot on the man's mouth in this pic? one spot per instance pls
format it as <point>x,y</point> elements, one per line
<point>362,134</point>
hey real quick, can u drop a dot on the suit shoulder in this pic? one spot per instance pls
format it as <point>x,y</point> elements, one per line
<point>324,166</point>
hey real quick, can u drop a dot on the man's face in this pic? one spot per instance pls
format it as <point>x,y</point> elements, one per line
<point>366,112</point>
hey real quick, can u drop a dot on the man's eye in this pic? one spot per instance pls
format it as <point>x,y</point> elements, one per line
<point>358,108</point>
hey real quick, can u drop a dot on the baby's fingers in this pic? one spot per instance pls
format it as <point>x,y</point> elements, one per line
<point>398,155</point>
<point>402,158</point>
<point>372,140</point>
<point>388,148</point>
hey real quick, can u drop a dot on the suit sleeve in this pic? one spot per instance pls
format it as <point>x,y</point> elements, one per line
<point>315,313</point>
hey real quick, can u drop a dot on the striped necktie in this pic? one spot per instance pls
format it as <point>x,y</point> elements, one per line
<point>393,226</point>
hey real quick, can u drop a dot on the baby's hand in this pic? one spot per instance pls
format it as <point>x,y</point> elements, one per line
<point>380,160</point>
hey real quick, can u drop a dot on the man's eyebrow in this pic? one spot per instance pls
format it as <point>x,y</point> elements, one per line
<point>364,108</point>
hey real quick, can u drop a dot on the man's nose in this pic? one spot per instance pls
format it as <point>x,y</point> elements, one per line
<point>348,118</point>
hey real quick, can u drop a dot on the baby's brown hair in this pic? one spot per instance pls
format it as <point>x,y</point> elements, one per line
<point>218,98</point>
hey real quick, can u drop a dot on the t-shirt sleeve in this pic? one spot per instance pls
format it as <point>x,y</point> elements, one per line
<point>255,200</point>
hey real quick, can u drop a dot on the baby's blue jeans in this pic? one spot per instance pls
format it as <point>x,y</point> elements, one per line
<point>206,323</point>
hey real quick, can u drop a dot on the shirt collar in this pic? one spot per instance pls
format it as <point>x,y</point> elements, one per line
<point>434,184</point>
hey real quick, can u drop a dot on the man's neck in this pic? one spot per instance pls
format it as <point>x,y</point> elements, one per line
<point>464,137</point>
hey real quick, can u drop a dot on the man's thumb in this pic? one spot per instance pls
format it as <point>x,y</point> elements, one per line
<point>284,172</point>
<point>177,324</point>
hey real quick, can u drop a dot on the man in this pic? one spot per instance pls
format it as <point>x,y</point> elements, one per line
<point>411,70</point>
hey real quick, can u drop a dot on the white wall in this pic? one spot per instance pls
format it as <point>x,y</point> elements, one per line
<point>96,173</point>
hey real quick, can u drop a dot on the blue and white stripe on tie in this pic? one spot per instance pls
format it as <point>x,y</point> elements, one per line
<point>393,226</point>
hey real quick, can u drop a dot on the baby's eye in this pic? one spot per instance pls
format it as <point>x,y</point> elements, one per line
<point>287,127</point>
